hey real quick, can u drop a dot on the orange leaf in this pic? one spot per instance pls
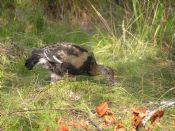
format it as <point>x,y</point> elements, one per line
<point>63,126</point>
<point>119,127</point>
<point>157,115</point>
<point>109,119</point>
<point>102,109</point>
<point>138,115</point>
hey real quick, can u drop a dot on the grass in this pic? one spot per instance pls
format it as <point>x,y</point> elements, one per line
<point>143,67</point>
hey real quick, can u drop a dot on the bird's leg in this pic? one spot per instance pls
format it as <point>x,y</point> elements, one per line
<point>55,77</point>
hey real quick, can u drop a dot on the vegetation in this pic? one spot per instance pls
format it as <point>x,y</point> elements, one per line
<point>135,38</point>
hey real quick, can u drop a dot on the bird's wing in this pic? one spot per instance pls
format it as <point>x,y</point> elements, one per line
<point>51,56</point>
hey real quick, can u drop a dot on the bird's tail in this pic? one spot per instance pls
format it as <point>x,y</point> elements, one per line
<point>31,61</point>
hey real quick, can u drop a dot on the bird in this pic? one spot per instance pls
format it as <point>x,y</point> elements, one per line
<point>66,57</point>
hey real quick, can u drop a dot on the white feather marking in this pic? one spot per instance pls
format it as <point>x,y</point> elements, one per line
<point>42,61</point>
<point>57,60</point>
<point>45,51</point>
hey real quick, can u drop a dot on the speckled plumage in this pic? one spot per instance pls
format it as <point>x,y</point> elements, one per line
<point>65,57</point>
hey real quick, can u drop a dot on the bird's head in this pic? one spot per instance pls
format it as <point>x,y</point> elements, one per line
<point>107,72</point>
<point>33,59</point>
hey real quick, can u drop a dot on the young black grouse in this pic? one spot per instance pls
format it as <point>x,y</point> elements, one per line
<point>67,57</point>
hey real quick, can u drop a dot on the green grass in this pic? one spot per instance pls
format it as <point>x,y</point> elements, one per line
<point>143,68</point>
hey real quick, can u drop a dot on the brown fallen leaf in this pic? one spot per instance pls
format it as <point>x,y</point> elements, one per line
<point>108,117</point>
<point>102,109</point>
<point>63,126</point>
<point>119,127</point>
<point>138,115</point>
<point>156,116</point>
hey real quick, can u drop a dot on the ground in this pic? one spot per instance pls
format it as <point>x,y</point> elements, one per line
<point>144,73</point>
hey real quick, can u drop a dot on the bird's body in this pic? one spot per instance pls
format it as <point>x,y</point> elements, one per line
<point>65,57</point>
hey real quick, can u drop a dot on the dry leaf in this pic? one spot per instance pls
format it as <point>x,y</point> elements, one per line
<point>102,109</point>
<point>156,116</point>
<point>109,119</point>
<point>138,115</point>
<point>63,126</point>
